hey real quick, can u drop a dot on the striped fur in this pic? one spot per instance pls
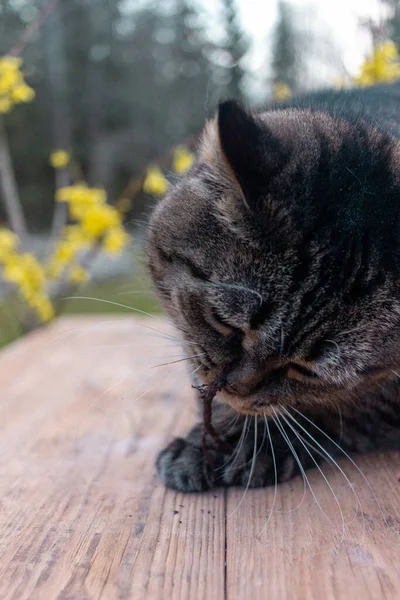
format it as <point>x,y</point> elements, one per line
<point>278,256</point>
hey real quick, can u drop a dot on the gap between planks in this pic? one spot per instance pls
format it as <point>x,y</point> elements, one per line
<point>84,517</point>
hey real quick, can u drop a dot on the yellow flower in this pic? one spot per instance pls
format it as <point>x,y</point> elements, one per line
<point>155,182</point>
<point>27,274</point>
<point>80,193</point>
<point>13,88</point>
<point>98,219</point>
<point>10,63</point>
<point>59,159</point>
<point>22,93</point>
<point>77,274</point>
<point>70,193</point>
<point>14,273</point>
<point>10,74</point>
<point>281,91</point>
<point>5,105</point>
<point>66,251</point>
<point>54,269</point>
<point>183,160</point>
<point>77,235</point>
<point>42,305</point>
<point>34,273</point>
<point>73,239</point>
<point>8,242</point>
<point>115,240</point>
<point>80,198</point>
<point>383,66</point>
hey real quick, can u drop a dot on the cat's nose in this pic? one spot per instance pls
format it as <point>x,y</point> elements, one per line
<point>242,382</point>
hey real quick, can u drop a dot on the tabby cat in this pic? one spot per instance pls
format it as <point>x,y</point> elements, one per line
<point>278,259</point>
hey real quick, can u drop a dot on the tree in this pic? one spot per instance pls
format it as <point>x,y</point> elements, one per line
<point>236,45</point>
<point>394,20</point>
<point>119,84</point>
<point>286,53</point>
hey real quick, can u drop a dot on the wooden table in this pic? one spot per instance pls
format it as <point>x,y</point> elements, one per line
<point>83,516</point>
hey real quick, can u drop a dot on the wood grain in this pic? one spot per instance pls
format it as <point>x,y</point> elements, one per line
<point>83,413</point>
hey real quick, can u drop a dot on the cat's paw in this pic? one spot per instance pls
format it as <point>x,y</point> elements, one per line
<point>183,467</point>
<point>258,473</point>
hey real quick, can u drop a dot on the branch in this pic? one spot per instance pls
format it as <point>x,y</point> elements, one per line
<point>33,27</point>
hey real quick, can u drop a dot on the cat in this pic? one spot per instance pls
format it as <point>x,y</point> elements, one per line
<point>278,259</point>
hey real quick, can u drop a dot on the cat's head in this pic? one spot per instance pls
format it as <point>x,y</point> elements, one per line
<point>275,257</point>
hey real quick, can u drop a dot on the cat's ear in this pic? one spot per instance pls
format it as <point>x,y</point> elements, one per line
<point>252,151</point>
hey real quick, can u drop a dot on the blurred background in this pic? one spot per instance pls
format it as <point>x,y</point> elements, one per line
<point>102,104</point>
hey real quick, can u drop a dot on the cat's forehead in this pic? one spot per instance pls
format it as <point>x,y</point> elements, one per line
<point>183,208</point>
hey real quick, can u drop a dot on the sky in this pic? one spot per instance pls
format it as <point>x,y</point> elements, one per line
<point>340,18</point>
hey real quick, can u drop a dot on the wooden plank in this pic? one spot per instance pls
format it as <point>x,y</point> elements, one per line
<point>82,514</point>
<point>84,517</point>
<point>296,553</point>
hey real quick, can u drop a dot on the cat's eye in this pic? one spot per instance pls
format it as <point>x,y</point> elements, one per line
<point>294,370</point>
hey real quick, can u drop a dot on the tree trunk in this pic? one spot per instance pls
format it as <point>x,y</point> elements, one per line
<point>9,189</point>
<point>61,117</point>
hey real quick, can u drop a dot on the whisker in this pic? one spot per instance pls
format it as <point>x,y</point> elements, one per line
<point>110,387</point>
<point>360,327</point>
<point>150,389</point>
<point>276,477</point>
<point>253,464</point>
<point>296,457</point>
<point>323,475</point>
<point>329,456</point>
<point>237,449</point>
<point>166,337</point>
<point>177,361</point>
<point>100,327</point>
<point>313,448</point>
<point>231,424</point>
<point>349,458</point>
<point>243,439</point>
<point>137,310</point>
<point>152,356</point>
<point>261,446</point>
<point>104,301</point>
<point>195,371</point>
<point>133,345</point>
<point>96,400</point>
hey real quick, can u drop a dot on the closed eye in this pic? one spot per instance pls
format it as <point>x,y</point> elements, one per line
<point>294,370</point>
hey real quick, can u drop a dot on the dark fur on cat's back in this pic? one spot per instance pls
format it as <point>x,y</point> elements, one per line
<point>278,258</point>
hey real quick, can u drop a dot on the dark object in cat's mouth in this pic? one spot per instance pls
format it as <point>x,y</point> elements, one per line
<point>208,392</point>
